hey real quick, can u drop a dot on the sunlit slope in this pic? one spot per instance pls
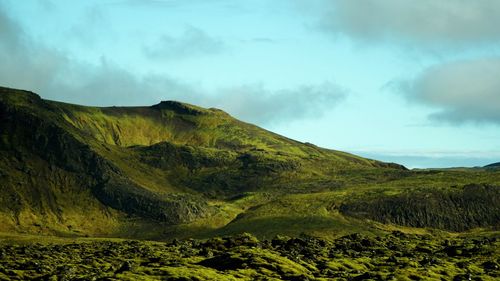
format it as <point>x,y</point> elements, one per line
<point>184,124</point>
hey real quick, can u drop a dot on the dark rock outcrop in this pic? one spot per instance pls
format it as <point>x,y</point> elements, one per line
<point>475,205</point>
<point>123,195</point>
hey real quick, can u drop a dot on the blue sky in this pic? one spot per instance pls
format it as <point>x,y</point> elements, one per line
<point>414,82</point>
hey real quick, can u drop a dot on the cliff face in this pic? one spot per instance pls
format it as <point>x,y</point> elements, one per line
<point>472,206</point>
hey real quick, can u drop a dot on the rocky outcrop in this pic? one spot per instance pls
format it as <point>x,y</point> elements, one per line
<point>179,107</point>
<point>474,205</point>
<point>123,195</point>
<point>165,155</point>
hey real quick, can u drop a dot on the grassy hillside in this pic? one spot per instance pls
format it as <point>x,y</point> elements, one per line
<point>178,170</point>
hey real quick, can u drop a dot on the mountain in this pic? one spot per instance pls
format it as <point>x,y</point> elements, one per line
<point>178,170</point>
<point>493,165</point>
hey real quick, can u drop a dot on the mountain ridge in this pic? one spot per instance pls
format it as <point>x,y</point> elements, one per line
<point>122,171</point>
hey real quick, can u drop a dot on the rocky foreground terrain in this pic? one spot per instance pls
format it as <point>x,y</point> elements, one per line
<point>397,256</point>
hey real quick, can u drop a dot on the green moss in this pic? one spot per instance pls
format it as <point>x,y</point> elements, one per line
<point>396,256</point>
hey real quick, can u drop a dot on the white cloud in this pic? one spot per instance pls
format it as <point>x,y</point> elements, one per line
<point>422,23</point>
<point>464,90</point>
<point>255,103</point>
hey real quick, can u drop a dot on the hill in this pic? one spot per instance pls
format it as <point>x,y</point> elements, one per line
<point>493,165</point>
<point>178,170</point>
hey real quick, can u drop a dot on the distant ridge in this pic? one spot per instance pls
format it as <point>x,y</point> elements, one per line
<point>493,165</point>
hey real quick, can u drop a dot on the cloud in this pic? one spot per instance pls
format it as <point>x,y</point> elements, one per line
<point>10,33</point>
<point>423,23</point>
<point>194,42</point>
<point>464,90</point>
<point>28,64</point>
<point>461,91</point>
<point>257,104</point>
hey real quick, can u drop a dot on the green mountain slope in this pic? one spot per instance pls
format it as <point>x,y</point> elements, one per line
<point>175,169</point>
